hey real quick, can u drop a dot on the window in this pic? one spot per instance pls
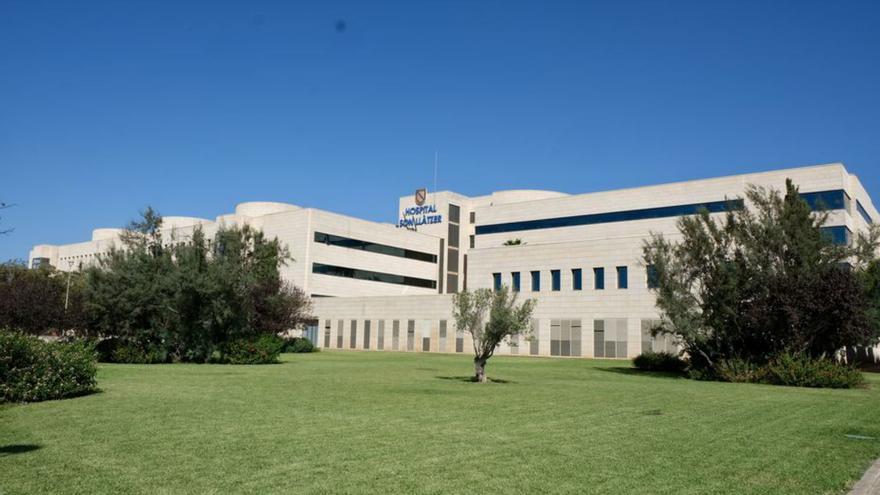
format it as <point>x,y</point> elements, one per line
<point>536,281</point>
<point>356,273</point>
<point>395,335</point>
<point>352,343</point>
<point>622,277</point>
<point>659,343</point>
<point>426,336</point>
<point>459,340</point>
<point>327,334</point>
<point>442,336</point>
<point>454,213</point>
<point>367,334</point>
<point>653,280</point>
<point>473,217</point>
<point>453,235</point>
<point>472,241</point>
<point>380,336</point>
<point>862,211</point>
<point>534,345</point>
<point>339,331</point>
<point>347,242</point>
<point>410,334</point>
<point>609,338</point>
<point>827,200</point>
<point>451,283</point>
<point>496,281</point>
<point>555,280</point>
<point>598,278</point>
<point>577,282</point>
<point>565,337</point>
<point>839,235</point>
<point>514,281</point>
<point>452,260</point>
<point>614,216</point>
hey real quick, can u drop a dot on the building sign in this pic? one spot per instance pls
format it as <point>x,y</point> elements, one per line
<point>421,194</point>
<point>413,216</point>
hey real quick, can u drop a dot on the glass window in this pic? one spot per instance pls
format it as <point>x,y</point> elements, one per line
<point>452,260</point>
<point>598,278</point>
<point>577,282</point>
<point>864,213</point>
<point>454,213</point>
<point>339,336</point>
<point>442,336</point>
<point>327,334</point>
<point>496,281</point>
<point>453,235</point>
<point>367,334</point>
<point>622,277</point>
<point>472,241</point>
<point>347,242</point>
<point>352,343</point>
<point>827,200</point>
<point>395,335</point>
<point>536,281</point>
<point>473,217</point>
<point>555,280</point>
<point>459,341</point>
<point>514,281</point>
<point>380,336</point>
<point>341,271</point>
<point>451,283</point>
<point>534,345</point>
<point>653,280</point>
<point>839,235</point>
<point>410,334</point>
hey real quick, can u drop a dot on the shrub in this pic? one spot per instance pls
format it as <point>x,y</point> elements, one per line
<point>33,370</point>
<point>262,350</point>
<point>116,350</point>
<point>660,361</point>
<point>802,371</point>
<point>737,371</point>
<point>299,345</point>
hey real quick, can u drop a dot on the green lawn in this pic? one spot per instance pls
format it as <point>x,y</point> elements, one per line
<point>360,422</point>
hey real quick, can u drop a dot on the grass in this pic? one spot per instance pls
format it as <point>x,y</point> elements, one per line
<point>359,422</point>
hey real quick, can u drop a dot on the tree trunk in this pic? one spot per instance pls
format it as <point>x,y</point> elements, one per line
<point>480,370</point>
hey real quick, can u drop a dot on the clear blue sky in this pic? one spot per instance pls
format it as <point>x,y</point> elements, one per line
<point>106,107</point>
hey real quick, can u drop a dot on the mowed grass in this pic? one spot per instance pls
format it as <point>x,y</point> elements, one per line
<point>362,422</point>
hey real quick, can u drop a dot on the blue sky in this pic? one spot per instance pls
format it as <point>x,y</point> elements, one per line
<point>108,107</point>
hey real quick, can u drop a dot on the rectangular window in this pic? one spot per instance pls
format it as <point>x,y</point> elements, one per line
<point>352,341</point>
<point>452,260</point>
<point>472,241</point>
<point>388,278</point>
<point>598,278</point>
<point>327,334</point>
<point>473,217</point>
<point>442,336</point>
<point>534,345</point>
<point>426,336</point>
<point>577,279</point>
<point>452,283</point>
<point>555,280</point>
<point>514,281</point>
<point>496,281</point>
<point>536,281</point>
<point>454,213</point>
<point>339,332</point>
<point>653,280</point>
<point>565,337</point>
<point>373,247</point>
<point>380,336</point>
<point>622,277</point>
<point>395,335</point>
<point>839,235</point>
<point>459,340</point>
<point>367,334</point>
<point>453,235</point>
<point>862,211</point>
<point>410,335</point>
<point>658,343</point>
<point>599,338</point>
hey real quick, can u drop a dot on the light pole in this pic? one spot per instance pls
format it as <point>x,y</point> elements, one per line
<point>67,293</point>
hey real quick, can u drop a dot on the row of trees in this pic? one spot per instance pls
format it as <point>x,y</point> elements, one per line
<point>765,281</point>
<point>174,299</point>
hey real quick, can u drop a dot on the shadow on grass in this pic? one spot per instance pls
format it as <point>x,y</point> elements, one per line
<point>470,379</point>
<point>637,372</point>
<point>18,448</point>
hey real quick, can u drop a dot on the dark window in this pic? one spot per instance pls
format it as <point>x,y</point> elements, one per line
<point>388,278</point>
<point>395,335</point>
<point>473,217</point>
<point>410,334</point>
<point>442,336</point>
<point>598,278</point>
<point>453,235</point>
<point>367,334</point>
<point>622,277</point>
<point>352,343</point>
<point>862,211</point>
<point>839,235</point>
<point>372,247</point>
<point>827,200</point>
<point>653,277</point>
<point>452,260</point>
<point>496,281</point>
<point>577,282</point>
<point>514,281</point>
<point>327,334</point>
<point>555,280</point>
<point>472,240</point>
<point>616,216</point>
<point>536,281</point>
<point>459,341</point>
<point>454,214</point>
<point>599,338</point>
<point>380,336</point>
<point>452,283</point>
<point>534,345</point>
<point>339,336</point>
<point>38,262</point>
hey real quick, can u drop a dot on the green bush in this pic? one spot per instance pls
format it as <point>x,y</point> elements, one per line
<point>660,361</point>
<point>299,345</point>
<point>738,371</point>
<point>802,371</point>
<point>262,350</point>
<point>116,350</point>
<point>33,370</point>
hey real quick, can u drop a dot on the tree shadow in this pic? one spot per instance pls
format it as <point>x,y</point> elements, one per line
<point>18,448</point>
<point>471,379</point>
<point>637,372</point>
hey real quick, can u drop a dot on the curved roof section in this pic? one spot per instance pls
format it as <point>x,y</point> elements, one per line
<point>105,234</point>
<point>260,208</point>
<point>523,195</point>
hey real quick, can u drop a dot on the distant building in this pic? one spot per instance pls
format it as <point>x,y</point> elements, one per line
<point>387,287</point>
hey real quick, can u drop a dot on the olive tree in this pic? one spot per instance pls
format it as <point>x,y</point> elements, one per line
<point>491,317</point>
